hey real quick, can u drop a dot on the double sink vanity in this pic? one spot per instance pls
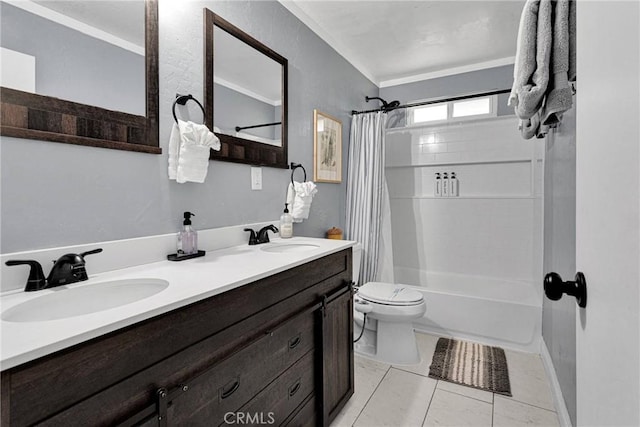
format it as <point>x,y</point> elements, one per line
<point>246,333</point>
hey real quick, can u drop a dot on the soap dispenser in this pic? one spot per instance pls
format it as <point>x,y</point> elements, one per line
<point>438,189</point>
<point>188,237</point>
<point>453,185</point>
<point>286,223</point>
<point>445,185</point>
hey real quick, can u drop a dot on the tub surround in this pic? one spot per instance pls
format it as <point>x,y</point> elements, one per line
<point>190,281</point>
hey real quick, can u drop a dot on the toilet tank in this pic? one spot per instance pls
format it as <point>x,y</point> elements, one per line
<point>356,259</point>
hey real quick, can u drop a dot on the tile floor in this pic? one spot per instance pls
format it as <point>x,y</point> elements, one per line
<point>400,396</point>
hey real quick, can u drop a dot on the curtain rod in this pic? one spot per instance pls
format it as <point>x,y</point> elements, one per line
<point>438,101</point>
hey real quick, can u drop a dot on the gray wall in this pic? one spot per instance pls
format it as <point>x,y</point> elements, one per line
<point>459,84</point>
<point>56,194</point>
<point>559,317</point>
<point>73,66</point>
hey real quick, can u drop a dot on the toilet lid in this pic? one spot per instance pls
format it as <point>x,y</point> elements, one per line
<point>390,294</point>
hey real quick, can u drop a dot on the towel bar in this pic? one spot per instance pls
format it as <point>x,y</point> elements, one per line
<point>182,100</point>
<point>239,128</point>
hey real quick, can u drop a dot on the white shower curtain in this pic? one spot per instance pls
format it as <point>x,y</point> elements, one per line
<point>368,212</point>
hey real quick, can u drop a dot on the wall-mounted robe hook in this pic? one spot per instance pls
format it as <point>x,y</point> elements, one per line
<point>182,100</point>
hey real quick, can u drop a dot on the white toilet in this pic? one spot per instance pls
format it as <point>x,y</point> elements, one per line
<point>390,310</point>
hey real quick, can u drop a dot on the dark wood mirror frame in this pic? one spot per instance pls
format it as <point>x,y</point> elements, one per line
<point>32,116</point>
<point>234,149</point>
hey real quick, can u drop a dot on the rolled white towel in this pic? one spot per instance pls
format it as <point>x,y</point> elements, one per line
<point>195,142</point>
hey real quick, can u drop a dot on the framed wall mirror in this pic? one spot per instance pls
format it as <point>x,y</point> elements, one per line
<point>81,72</point>
<point>245,95</point>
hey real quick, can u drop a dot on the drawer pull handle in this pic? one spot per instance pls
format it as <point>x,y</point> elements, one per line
<point>293,342</point>
<point>294,389</point>
<point>230,391</point>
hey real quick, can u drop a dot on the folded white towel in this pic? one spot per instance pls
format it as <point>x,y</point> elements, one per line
<point>299,197</point>
<point>192,159</point>
<point>174,150</point>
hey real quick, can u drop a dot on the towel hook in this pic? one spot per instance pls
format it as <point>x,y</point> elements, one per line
<point>295,166</point>
<point>182,100</point>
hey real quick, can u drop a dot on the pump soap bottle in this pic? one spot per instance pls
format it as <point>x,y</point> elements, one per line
<point>187,245</point>
<point>453,185</point>
<point>286,223</point>
<point>438,190</point>
<point>188,237</point>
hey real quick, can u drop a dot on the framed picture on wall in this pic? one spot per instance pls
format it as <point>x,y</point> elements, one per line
<point>327,148</point>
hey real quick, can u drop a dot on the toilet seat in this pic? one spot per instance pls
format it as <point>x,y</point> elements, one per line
<point>390,294</point>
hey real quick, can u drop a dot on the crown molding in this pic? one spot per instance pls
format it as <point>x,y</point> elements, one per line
<point>449,72</point>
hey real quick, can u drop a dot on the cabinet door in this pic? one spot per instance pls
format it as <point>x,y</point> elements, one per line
<point>337,352</point>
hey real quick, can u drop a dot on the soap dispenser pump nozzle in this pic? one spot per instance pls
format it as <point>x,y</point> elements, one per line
<point>187,218</point>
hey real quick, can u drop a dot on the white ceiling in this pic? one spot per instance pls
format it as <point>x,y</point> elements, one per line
<point>393,42</point>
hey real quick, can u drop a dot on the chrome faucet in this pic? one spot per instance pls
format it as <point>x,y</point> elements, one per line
<point>69,268</point>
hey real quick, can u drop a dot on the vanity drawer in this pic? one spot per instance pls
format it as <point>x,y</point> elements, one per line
<point>306,415</point>
<point>230,384</point>
<point>280,398</point>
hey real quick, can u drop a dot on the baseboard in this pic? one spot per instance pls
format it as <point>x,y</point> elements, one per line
<point>558,399</point>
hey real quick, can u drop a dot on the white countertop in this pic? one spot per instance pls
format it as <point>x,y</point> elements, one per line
<point>189,281</point>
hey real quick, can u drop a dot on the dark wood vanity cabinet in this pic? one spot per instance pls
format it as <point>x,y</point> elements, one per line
<point>278,351</point>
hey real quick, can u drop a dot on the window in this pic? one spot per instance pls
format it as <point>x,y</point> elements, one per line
<point>430,113</point>
<point>473,108</point>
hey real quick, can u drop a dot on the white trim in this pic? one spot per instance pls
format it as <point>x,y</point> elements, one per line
<point>558,399</point>
<point>244,91</point>
<point>342,50</point>
<point>74,24</point>
<point>449,72</point>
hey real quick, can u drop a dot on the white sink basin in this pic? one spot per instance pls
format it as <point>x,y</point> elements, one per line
<point>285,248</point>
<point>64,303</point>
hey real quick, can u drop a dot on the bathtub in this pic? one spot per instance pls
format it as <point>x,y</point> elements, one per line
<point>488,310</point>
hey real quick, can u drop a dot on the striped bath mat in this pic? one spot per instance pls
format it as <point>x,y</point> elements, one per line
<point>474,365</point>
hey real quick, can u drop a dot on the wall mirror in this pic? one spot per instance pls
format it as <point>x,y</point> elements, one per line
<point>245,95</point>
<point>81,72</point>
